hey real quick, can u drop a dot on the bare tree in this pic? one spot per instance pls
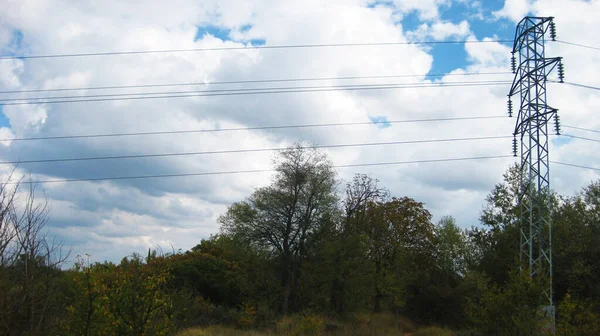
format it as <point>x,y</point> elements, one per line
<point>359,193</point>
<point>29,260</point>
<point>8,230</point>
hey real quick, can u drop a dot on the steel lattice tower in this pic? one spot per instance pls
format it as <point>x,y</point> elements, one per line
<point>531,75</point>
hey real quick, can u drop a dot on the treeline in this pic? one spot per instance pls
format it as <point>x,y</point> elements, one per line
<point>305,244</point>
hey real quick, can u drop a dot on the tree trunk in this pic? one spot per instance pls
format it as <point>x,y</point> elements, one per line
<point>287,290</point>
<point>377,304</point>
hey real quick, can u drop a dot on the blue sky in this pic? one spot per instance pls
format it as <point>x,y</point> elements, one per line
<point>4,122</point>
<point>13,47</point>
<point>222,33</point>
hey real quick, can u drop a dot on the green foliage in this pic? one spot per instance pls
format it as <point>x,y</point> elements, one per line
<point>576,232</point>
<point>214,278</point>
<point>309,325</point>
<point>369,264</point>
<point>89,311</point>
<point>452,250</point>
<point>576,317</point>
<point>512,309</point>
<point>137,297</point>
<point>125,299</point>
<point>31,297</point>
<point>400,238</point>
<point>285,216</point>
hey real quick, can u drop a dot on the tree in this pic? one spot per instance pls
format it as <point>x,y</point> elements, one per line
<point>284,216</point>
<point>576,317</point>
<point>344,261</point>
<point>511,309</point>
<point>451,247</point>
<point>496,244</point>
<point>400,238</point>
<point>137,297</point>
<point>576,233</point>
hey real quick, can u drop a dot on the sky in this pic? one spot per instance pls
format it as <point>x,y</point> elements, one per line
<point>111,219</point>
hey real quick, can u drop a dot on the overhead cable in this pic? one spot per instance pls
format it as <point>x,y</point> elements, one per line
<point>234,129</point>
<point>248,47</point>
<point>170,93</point>
<point>580,137</point>
<point>578,45</point>
<point>132,177</point>
<point>253,81</point>
<point>575,165</point>
<point>580,128</point>
<point>243,92</point>
<point>583,85</point>
<point>253,150</point>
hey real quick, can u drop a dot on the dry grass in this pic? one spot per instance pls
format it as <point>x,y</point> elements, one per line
<point>359,325</point>
<point>222,331</point>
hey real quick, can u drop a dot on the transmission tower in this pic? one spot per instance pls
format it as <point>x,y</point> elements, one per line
<point>531,69</point>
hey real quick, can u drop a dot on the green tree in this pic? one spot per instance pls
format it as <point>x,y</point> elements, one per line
<point>511,309</point>
<point>284,216</point>
<point>576,233</point>
<point>401,245</point>
<point>576,317</point>
<point>137,297</point>
<point>89,306</point>
<point>452,250</point>
<point>353,272</point>
<point>443,291</point>
<point>495,245</point>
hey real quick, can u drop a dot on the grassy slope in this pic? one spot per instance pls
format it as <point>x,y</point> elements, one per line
<point>361,325</point>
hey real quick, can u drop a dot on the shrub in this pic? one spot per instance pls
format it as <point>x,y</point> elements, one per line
<point>247,317</point>
<point>577,318</point>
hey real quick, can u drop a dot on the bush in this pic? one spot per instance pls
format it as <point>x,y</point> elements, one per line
<point>193,310</point>
<point>247,317</point>
<point>577,318</point>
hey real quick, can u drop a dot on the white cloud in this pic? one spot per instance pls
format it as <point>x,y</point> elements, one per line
<point>489,54</point>
<point>440,30</point>
<point>427,9</point>
<point>26,119</point>
<point>6,134</point>
<point>10,70</point>
<point>514,9</point>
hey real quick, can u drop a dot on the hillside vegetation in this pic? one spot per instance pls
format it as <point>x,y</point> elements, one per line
<point>307,255</point>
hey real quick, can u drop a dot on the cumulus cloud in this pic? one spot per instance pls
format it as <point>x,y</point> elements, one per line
<point>427,9</point>
<point>112,218</point>
<point>514,10</point>
<point>441,31</point>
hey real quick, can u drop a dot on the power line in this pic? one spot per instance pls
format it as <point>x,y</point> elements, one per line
<point>581,128</point>
<point>143,94</point>
<point>583,86</point>
<point>247,92</point>
<point>254,150</point>
<point>575,165</point>
<point>580,137</point>
<point>79,136</point>
<point>261,170</point>
<point>578,45</point>
<point>272,80</point>
<point>288,46</point>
